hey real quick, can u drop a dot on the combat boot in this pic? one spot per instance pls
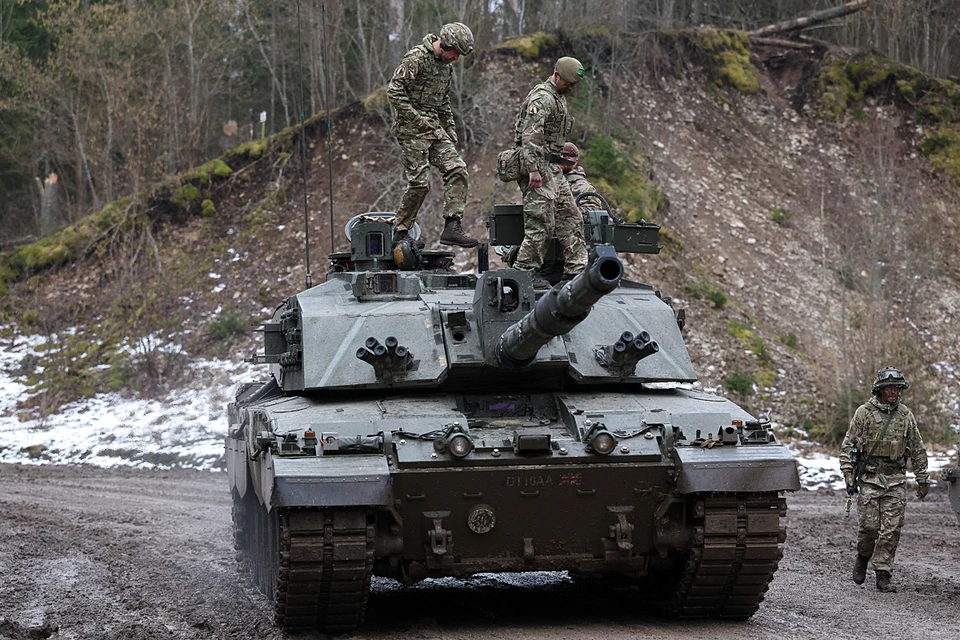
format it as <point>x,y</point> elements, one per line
<point>453,234</point>
<point>404,236</point>
<point>539,282</point>
<point>883,582</point>
<point>860,569</point>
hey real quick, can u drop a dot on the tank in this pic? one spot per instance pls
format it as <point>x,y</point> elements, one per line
<point>952,477</point>
<point>423,423</point>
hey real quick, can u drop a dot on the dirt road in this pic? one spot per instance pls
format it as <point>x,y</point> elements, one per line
<point>90,553</point>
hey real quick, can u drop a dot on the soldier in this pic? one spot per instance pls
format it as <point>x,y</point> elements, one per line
<point>577,179</point>
<point>419,92</point>
<point>884,434</point>
<point>542,125</point>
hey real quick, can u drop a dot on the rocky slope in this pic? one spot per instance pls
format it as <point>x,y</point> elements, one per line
<point>808,250</point>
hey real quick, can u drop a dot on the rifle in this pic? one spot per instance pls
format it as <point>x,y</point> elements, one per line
<point>854,488</point>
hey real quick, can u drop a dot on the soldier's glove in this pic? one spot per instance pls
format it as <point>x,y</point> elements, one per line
<point>922,490</point>
<point>848,478</point>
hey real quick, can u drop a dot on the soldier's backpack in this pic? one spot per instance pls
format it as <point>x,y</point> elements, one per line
<point>508,165</point>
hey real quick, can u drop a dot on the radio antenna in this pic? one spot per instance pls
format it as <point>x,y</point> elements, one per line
<point>303,151</point>
<point>326,75</point>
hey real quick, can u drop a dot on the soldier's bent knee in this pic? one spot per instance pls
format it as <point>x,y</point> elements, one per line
<point>456,172</point>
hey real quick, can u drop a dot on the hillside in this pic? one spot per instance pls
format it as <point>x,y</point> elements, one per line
<point>806,230</point>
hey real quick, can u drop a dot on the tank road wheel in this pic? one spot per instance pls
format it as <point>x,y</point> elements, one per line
<point>326,562</point>
<point>737,548</point>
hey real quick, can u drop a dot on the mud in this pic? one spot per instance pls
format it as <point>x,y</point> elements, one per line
<point>93,553</point>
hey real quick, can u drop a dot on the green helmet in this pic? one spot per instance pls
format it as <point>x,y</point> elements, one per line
<point>457,35</point>
<point>887,377</point>
<point>569,69</point>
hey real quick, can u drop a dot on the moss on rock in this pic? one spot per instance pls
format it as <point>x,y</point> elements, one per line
<point>376,100</point>
<point>215,168</point>
<point>252,150</point>
<point>845,83</point>
<point>942,148</point>
<point>529,47</point>
<point>185,195</point>
<point>207,208</point>
<point>729,53</point>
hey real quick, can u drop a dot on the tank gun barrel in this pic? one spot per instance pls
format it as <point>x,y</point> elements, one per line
<point>560,310</point>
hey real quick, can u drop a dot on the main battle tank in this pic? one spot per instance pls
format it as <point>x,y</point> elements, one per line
<point>952,476</point>
<point>426,423</point>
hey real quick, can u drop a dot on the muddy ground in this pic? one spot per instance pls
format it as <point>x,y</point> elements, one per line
<point>124,554</point>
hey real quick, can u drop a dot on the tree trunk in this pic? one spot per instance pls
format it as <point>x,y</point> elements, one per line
<point>50,221</point>
<point>395,31</point>
<point>815,18</point>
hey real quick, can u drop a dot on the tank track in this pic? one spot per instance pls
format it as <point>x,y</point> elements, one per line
<point>314,564</point>
<point>326,562</point>
<point>736,551</point>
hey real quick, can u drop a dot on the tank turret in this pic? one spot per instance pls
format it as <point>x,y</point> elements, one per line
<point>560,310</point>
<point>422,423</point>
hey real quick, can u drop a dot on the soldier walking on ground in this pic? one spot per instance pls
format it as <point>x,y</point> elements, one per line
<point>541,128</point>
<point>577,179</point>
<point>419,93</point>
<point>882,435</point>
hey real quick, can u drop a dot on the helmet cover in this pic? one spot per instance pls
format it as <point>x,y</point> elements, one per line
<point>456,35</point>
<point>569,69</point>
<point>888,376</point>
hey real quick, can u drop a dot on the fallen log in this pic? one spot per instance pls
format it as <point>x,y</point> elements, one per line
<point>780,42</point>
<point>814,18</point>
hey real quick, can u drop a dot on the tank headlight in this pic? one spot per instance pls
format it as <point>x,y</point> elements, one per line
<point>459,445</point>
<point>603,442</point>
<point>454,440</point>
<point>600,440</point>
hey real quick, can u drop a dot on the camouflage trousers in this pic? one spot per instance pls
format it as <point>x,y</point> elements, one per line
<point>881,518</point>
<point>548,211</point>
<point>418,156</point>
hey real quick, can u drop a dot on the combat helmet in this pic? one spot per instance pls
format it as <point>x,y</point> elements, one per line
<point>888,376</point>
<point>569,69</point>
<point>456,35</point>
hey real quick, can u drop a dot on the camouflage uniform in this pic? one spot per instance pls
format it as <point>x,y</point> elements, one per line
<point>882,485</point>
<point>419,93</point>
<point>542,125</point>
<point>579,184</point>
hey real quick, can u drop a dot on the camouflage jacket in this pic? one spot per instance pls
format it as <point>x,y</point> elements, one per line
<point>887,466</point>
<point>419,93</point>
<point>579,184</point>
<point>542,126</point>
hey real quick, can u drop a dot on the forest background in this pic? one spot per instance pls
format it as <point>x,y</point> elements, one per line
<point>99,98</point>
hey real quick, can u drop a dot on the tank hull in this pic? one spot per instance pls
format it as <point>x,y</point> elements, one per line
<point>530,495</point>
<point>952,476</point>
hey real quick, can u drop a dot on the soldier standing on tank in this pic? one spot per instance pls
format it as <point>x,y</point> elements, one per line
<point>419,93</point>
<point>549,209</point>
<point>884,434</point>
<point>577,179</point>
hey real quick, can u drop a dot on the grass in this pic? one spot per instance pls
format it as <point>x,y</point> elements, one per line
<point>230,323</point>
<point>740,383</point>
